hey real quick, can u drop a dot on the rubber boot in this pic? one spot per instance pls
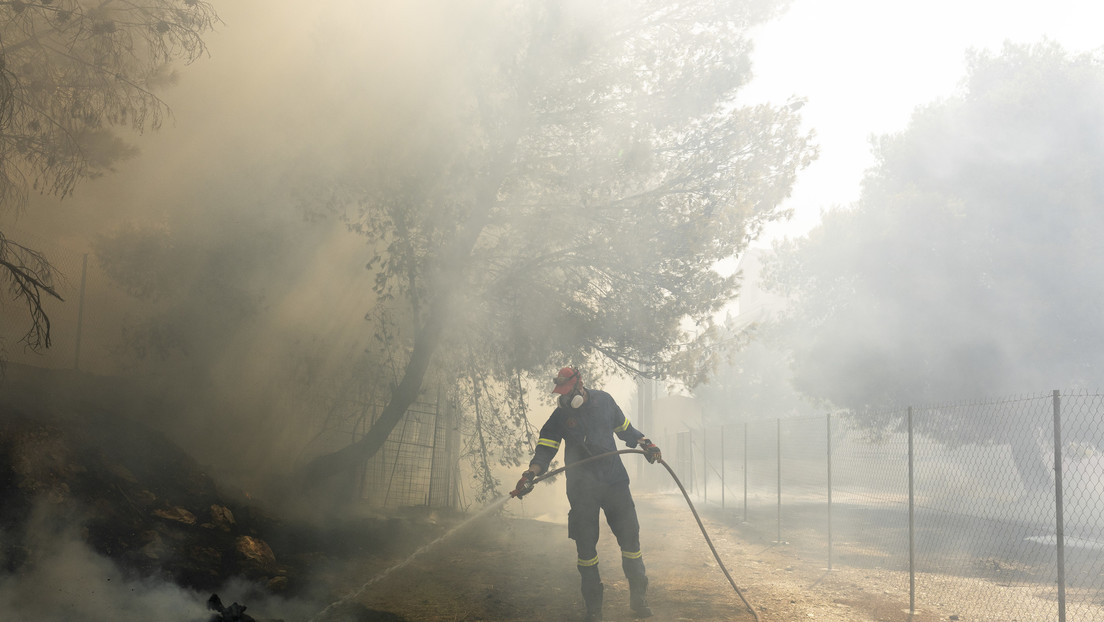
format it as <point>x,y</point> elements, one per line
<point>592,593</point>
<point>638,601</point>
<point>593,597</point>
<point>638,587</point>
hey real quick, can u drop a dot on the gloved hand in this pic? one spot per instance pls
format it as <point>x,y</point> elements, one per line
<point>651,452</point>
<point>524,485</point>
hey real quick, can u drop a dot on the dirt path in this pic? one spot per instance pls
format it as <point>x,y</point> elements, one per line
<point>508,569</point>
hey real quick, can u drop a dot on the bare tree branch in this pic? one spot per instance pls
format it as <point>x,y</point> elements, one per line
<point>29,276</point>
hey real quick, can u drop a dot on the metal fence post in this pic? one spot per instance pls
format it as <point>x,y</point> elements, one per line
<point>1059,519</point>
<point>778,437</point>
<point>433,449</point>
<point>705,466</point>
<point>80,312</point>
<point>828,422</point>
<point>911,517</point>
<point>745,470</point>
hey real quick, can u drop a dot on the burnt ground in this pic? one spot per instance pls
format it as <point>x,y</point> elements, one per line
<point>123,519</point>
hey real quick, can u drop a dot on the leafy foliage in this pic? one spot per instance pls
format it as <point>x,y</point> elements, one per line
<point>74,70</point>
<point>497,430</point>
<point>71,72</point>
<point>969,266</point>
<point>596,158</point>
<point>570,201</point>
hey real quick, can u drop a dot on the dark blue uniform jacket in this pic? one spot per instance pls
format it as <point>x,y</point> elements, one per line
<point>588,431</point>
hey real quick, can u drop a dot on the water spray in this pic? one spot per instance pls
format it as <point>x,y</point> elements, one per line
<point>493,505</point>
<point>499,502</point>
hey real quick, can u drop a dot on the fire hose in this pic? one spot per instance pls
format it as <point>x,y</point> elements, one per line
<point>685,495</point>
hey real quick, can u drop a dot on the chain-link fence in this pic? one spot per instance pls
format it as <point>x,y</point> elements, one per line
<point>951,500</point>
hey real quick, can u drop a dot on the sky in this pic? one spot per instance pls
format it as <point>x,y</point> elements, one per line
<point>865,65</point>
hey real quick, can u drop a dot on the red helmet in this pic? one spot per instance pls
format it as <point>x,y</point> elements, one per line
<point>566,380</point>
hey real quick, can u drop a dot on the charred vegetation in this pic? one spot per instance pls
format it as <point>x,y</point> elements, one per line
<point>74,465</point>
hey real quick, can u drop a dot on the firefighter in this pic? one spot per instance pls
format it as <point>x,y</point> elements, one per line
<point>586,420</point>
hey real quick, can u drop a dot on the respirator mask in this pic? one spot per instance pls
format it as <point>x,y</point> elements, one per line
<point>574,399</point>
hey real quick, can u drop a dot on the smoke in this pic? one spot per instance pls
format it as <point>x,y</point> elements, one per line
<point>62,580</point>
<point>68,581</point>
<point>252,289</point>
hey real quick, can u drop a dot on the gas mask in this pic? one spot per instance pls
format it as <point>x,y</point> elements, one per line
<point>574,399</point>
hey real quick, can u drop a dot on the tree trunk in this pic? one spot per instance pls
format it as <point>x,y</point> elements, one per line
<point>345,461</point>
<point>351,456</point>
<point>454,260</point>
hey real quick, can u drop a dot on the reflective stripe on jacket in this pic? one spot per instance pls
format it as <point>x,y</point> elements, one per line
<point>588,431</point>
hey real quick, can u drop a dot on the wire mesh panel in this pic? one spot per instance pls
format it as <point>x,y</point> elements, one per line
<point>985,508</point>
<point>762,471</point>
<point>444,480</point>
<point>399,475</point>
<point>418,464</point>
<point>870,491</point>
<point>718,486</point>
<point>804,454</point>
<point>803,517</point>
<point>992,507</point>
<point>684,460</point>
<point>733,469</point>
<point>1082,463</point>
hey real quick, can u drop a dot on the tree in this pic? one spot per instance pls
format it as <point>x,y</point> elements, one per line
<point>71,75</point>
<point>969,266</point>
<point>581,170</point>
